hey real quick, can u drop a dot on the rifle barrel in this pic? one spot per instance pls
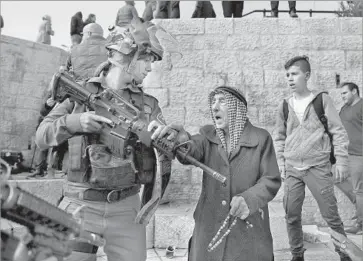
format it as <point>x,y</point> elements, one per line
<point>204,167</point>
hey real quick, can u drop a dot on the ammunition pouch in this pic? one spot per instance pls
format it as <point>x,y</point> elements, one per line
<point>108,171</point>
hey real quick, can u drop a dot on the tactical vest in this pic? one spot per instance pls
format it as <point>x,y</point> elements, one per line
<point>92,163</point>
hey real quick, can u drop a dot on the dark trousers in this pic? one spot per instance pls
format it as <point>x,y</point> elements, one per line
<point>275,6</point>
<point>319,180</point>
<point>167,9</point>
<point>232,8</point>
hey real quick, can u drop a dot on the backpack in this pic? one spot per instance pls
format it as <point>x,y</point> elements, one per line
<point>319,109</point>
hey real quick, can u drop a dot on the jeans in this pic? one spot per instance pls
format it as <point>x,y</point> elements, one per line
<point>232,8</point>
<point>320,182</point>
<point>352,187</point>
<point>125,240</point>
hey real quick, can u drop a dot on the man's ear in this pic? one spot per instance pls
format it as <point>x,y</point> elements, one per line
<point>307,75</point>
<point>354,91</point>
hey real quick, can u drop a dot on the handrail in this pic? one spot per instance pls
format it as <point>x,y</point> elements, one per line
<point>264,11</point>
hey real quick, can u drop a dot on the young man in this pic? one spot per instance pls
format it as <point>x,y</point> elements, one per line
<point>303,151</point>
<point>351,116</point>
<point>105,183</point>
<point>245,155</point>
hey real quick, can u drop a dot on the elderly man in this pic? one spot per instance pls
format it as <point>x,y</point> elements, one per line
<point>90,53</point>
<point>105,183</point>
<point>232,221</point>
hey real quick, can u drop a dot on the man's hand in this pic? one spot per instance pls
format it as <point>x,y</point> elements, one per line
<point>239,207</point>
<point>50,102</point>
<point>92,123</point>
<point>161,130</point>
<point>341,173</point>
<point>282,172</point>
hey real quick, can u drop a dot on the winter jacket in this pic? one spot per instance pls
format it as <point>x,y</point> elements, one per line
<point>252,172</point>
<point>77,24</point>
<point>44,33</point>
<point>306,144</point>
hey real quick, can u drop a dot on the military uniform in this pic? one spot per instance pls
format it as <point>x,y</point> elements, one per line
<point>110,212</point>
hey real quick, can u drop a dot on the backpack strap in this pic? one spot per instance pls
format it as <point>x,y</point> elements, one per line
<point>285,110</point>
<point>319,109</point>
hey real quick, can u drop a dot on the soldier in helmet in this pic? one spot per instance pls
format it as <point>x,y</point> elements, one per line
<point>106,184</point>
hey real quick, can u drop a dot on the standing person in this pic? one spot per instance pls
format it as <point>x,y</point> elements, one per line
<point>107,184</point>
<point>125,14</point>
<point>303,153</point>
<point>232,221</point>
<point>150,7</point>
<point>203,9</point>
<point>275,9</point>
<point>1,22</point>
<point>76,28</point>
<point>232,8</point>
<point>89,54</point>
<point>45,30</point>
<point>167,10</point>
<point>90,19</point>
<point>351,116</point>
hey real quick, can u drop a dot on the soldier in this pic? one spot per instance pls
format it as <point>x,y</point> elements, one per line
<point>106,184</point>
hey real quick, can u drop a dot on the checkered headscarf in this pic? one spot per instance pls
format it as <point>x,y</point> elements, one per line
<point>237,111</point>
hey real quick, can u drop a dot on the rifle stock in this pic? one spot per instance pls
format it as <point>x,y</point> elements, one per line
<point>125,118</point>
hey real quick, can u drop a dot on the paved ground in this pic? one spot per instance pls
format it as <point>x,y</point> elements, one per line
<point>314,252</point>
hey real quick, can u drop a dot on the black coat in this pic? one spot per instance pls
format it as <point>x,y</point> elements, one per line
<point>203,9</point>
<point>77,24</point>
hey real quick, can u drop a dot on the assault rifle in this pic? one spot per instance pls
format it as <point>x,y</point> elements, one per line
<point>49,229</point>
<point>126,120</point>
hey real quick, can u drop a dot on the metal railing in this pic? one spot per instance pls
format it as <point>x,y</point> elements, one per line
<point>264,11</point>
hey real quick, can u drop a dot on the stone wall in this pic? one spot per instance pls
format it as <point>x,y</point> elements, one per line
<point>250,54</point>
<point>26,69</point>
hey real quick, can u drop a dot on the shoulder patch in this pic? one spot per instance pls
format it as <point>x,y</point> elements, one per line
<point>147,109</point>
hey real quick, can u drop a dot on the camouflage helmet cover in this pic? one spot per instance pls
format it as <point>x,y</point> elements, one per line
<point>146,38</point>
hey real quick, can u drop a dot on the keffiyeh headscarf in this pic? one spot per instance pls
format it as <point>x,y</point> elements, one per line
<point>237,115</point>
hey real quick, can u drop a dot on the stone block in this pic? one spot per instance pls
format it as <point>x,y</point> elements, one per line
<point>215,42</point>
<point>182,26</point>
<point>182,77</point>
<point>234,79</point>
<point>197,115</point>
<point>221,61</point>
<point>183,193</point>
<point>213,80</point>
<point>349,42</point>
<point>174,114</point>
<point>319,26</point>
<point>253,78</point>
<point>219,26</point>
<point>173,226</point>
<point>193,59</point>
<point>243,42</point>
<point>323,42</point>
<point>272,42</point>
<point>327,60</point>
<point>354,60</point>
<point>190,42</point>
<point>289,26</point>
<point>255,26</point>
<point>351,26</point>
<point>153,79</point>
<point>322,80</point>
<point>161,94</point>
<point>275,79</point>
<point>278,226</point>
